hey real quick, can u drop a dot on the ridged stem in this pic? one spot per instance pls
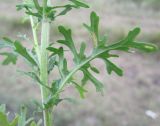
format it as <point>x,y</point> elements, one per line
<point>44,70</point>
<point>45,33</point>
<point>43,60</point>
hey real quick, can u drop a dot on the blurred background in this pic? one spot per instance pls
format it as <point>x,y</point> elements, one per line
<point>131,100</point>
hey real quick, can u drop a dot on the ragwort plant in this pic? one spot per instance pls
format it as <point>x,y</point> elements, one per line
<point>44,56</point>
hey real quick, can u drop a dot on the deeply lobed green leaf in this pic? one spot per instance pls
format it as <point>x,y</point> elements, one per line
<point>101,50</point>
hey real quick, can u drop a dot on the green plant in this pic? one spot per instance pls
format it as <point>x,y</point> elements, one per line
<point>43,57</point>
<point>19,120</point>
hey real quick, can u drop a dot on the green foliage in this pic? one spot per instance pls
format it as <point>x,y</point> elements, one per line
<point>4,121</point>
<point>6,43</point>
<point>101,50</point>
<point>43,60</point>
<point>33,8</point>
<point>11,58</point>
<point>24,53</point>
<point>82,62</point>
<point>17,49</point>
<point>18,120</point>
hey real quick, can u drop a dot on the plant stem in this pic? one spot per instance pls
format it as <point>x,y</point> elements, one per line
<point>34,31</point>
<point>43,60</point>
<point>44,69</point>
<point>45,33</point>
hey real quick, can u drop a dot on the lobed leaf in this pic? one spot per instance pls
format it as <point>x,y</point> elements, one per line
<point>68,39</point>
<point>6,43</point>
<point>51,63</point>
<point>55,86</point>
<point>94,28</point>
<point>95,24</point>
<point>66,10</point>
<point>51,101</point>
<point>112,67</point>
<point>82,62</point>
<point>68,7</point>
<point>94,69</point>
<point>79,4</point>
<point>11,58</point>
<point>80,89</point>
<point>81,56</point>
<point>99,86</point>
<point>146,47</point>
<point>24,53</point>
<point>129,42</point>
